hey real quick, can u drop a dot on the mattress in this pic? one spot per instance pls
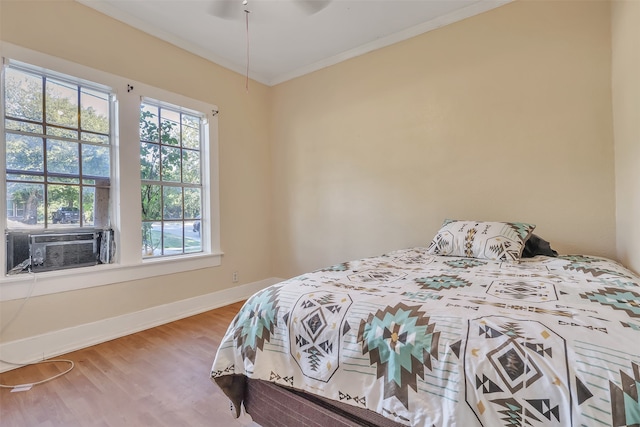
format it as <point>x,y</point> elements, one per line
<point>422,339</point>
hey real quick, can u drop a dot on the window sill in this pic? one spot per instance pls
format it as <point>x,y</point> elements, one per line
<point>51,282</point>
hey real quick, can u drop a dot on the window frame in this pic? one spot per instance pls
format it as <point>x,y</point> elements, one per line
<point>129,264</point>
<point>46,138</point>
<point>181,183</point>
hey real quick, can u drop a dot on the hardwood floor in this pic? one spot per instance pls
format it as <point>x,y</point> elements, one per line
<point>157,377</point>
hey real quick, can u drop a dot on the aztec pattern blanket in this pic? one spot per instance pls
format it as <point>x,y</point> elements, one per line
<point>448,341</point>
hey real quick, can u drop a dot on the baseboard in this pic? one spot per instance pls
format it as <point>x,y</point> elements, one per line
<point>56,343</point>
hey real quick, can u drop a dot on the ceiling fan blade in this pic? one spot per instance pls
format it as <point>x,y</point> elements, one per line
<point>226,9</point>
<point>311,7</point>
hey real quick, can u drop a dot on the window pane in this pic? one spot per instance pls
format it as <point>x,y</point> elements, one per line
<point>94,112</point>
<point>151,202</point>
<point>23,93</point>
<point>171,164</point>
<point>24,153</point>
<point>192,203</point>
<point>22,126</point>
<point>24,177</point>
<point>192,241</point>
<point>95,160</point>
<point>170,127</point>
<point>149,123</point>
<point>101,203</point>
<point>150,161</point>
<point>92,137</point>
<point>88,204</point>
<point>172,240</point>
<point>64,133</point>
<point>62,103</point>
<point>172,202</point>
<point>62,180</point>
<point>151,238</point>
<point>64,204</point>
<point>62,157</point>
<point>25,204</point>
<point>191,166</point>
<point>190,132</point>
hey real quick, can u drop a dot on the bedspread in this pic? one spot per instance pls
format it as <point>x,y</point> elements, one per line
<point>449,341</point>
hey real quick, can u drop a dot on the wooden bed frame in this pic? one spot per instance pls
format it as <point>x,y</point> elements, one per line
<point>271,405</point>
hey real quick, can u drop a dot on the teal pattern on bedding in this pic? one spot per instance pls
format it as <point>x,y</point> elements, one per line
<point>451,341</point>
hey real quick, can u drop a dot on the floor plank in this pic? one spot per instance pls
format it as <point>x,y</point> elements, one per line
<point>157,377</point>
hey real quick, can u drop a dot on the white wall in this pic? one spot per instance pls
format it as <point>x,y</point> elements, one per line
<point>625,32</point>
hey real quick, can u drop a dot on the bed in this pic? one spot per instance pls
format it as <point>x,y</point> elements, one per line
<point>462,332</point>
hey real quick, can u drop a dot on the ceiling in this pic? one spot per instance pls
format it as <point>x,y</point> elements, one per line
<point>286,38</point>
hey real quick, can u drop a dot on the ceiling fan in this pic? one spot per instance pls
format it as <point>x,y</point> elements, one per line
<point>234,9</point>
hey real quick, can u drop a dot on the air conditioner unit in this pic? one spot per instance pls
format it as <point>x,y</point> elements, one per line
<point>46,251</point>
<point>57,251</point>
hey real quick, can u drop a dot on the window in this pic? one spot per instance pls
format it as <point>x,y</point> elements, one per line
<point>170,169</point>
<point>57,150</point>
<point>71,169</point>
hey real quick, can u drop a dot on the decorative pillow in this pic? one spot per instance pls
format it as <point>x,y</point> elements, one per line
<point>502,241</point>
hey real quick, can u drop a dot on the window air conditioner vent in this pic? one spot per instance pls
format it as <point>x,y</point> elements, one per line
<point>58,251</point>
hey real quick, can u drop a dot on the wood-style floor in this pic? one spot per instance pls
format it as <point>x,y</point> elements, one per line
<point>157,377</point>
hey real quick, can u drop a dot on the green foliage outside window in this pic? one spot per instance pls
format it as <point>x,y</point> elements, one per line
<point>171,192</point>
<point>64,126</point>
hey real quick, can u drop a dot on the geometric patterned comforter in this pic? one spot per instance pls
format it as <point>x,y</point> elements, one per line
<point>449,341</point>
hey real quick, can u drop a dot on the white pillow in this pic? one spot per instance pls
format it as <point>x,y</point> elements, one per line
<point>502,241</point>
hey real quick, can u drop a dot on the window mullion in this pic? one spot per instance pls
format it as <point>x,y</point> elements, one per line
<point>81,174</point>
<point>45,195</point>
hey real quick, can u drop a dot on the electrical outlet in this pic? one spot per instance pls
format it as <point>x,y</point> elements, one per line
<point>234,277</point>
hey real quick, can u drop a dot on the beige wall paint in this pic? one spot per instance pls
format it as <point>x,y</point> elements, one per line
<point>503,116</point>
<point>626,119</point>
<point>71,31</point>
